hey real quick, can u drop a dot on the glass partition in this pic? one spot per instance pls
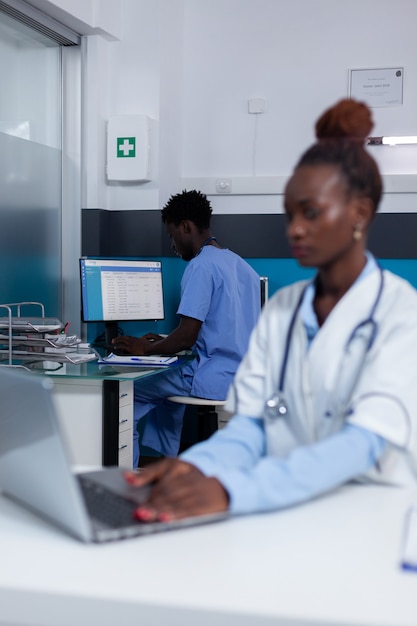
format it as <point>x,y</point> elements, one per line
<point>30,166</point>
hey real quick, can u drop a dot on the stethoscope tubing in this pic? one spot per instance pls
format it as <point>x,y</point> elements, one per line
<point>369,320</point>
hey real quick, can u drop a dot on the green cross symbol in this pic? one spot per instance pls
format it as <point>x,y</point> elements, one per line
<point>126,147</point>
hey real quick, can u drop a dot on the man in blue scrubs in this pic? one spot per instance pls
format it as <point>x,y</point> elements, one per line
<point>220,304</point>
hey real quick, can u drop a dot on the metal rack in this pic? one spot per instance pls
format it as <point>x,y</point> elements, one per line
<point>25,338</point>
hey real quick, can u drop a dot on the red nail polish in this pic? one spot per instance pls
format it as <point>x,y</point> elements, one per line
<point>164,517</point>
<point>129,478</point>
<point>143,515</point>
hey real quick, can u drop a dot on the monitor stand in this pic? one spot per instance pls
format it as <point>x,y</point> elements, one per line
<point>110,332</point>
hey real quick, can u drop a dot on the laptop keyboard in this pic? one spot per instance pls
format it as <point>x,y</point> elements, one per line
<point>106,506</point>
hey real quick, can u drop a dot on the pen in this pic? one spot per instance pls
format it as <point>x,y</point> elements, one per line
<point>65,329</point>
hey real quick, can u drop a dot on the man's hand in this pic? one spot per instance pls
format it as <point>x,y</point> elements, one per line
<point>182,338</point>
<point>134,345</point>
<point>179,490</point>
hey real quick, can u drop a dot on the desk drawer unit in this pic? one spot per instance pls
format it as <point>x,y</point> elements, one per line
<point>223,417</point>
<point>118,423</point>
<point>126,400</point>
<point>125,449</point>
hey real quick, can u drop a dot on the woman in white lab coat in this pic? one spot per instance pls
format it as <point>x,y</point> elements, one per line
<point>327,391</point>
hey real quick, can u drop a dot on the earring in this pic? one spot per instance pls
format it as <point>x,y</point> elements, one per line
<point>357,232</point>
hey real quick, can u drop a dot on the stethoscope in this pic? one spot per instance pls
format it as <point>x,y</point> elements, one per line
<point>357,346</point>
<point>205,243</point>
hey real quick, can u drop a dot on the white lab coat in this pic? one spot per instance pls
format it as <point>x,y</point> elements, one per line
<point>384,399</point>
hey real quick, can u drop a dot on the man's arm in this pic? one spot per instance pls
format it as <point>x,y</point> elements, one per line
<point>181,338</point>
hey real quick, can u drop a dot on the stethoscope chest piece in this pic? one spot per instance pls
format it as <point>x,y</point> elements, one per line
<point>276,407</point>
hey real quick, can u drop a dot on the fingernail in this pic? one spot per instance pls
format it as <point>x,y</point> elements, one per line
<point>144,515</point>
<point>164,517</point>
<point>130,478</point>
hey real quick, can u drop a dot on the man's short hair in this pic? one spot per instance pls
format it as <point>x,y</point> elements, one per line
<point>188,205</point>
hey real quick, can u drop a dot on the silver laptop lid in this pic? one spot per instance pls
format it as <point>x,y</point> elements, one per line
<point>34,464</point>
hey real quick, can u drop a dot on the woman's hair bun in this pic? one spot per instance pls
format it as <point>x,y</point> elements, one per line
<point>346,119</point>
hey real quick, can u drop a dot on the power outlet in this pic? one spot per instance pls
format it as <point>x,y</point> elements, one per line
<point>256,105</point>
<point>224,185</point>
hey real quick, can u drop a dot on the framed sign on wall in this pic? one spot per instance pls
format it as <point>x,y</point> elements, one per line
<point>380,87</point>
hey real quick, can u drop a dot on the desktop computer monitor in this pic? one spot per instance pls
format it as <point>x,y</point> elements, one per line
<point>114,291</point>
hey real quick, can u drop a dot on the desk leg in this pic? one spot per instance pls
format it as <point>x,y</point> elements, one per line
<point>110,422</point>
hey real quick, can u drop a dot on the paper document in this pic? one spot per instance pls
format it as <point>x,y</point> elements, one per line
<point>409,548</point>
<point>31,324</point>
<point>137,361</point>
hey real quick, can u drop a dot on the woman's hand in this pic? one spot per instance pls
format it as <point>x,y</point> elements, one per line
<point>179,490</point>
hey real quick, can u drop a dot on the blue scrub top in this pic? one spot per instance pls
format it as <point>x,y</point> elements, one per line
<point>221,290</point>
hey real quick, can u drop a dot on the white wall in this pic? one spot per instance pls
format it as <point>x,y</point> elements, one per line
<point>141,73</point>
<point>296,54</point>
<point>193,65</point>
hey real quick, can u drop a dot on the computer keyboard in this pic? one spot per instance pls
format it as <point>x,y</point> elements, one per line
<point>106,506</point>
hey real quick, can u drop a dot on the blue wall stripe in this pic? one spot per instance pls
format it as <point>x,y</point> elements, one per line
<point>280,272</point>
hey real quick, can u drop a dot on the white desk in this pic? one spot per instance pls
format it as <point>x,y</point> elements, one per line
<point>334,561</point>
<point>96,417</point>
<point>95,410</point>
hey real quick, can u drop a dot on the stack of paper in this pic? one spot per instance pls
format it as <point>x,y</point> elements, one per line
<point>137,361</point>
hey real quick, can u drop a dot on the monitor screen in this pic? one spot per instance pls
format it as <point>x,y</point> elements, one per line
<point>115,291</point>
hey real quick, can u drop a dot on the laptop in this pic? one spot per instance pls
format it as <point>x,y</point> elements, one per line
<point>35,470</point>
